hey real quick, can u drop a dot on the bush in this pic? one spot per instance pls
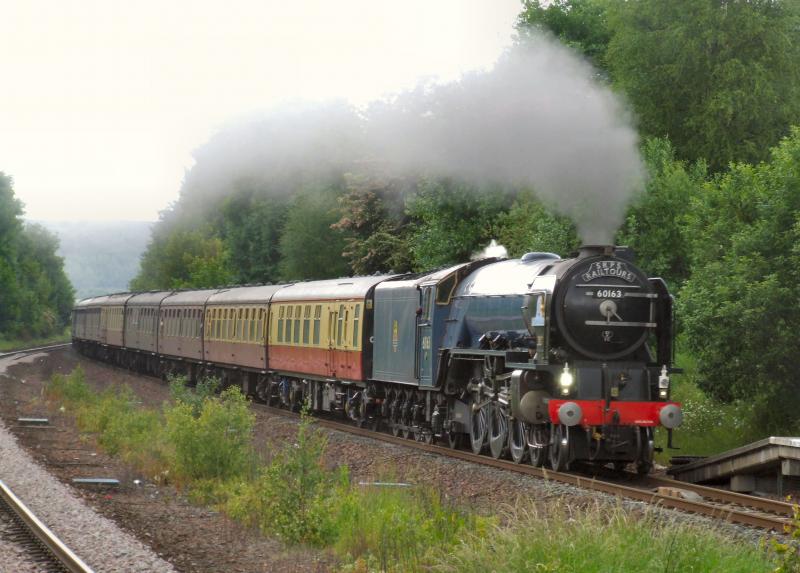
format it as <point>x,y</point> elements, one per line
<point>180,391</point>
<point>122,428</point>
<point>215,444</point>
<point>292,495</point>
<point>71,389</point>
<point>788,552</point>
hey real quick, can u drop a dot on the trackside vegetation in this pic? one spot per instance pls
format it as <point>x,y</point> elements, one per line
<point>201,441</point>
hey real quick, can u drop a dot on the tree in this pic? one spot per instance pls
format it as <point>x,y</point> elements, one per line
<point>181,258</point>
<point>580,24</point>
<point>451,221</point>
<point>35,295</point>
<point>530,226</point>
<point>717,78</point>
<point>740,307</point>
<point>310,247</point>
<point>251,227</point>
<point>375,225</point>
<point>654,221</point>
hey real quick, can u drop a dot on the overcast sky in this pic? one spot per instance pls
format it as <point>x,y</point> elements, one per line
<point>102,102</point>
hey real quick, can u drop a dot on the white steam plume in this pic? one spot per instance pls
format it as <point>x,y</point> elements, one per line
<point>539,118</point>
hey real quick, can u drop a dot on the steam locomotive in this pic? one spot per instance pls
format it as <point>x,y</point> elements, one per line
<point>540,358</point>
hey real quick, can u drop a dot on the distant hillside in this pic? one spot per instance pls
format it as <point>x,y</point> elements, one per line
<point>100,257</point>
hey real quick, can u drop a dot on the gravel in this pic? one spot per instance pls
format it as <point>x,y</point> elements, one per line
<point>95,539</point>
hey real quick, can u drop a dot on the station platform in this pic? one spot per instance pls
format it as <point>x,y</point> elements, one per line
<point>771,465</point>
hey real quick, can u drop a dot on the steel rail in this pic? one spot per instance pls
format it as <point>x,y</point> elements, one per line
<point>34,349</point>
<point>724,496</point>
<point>65,557</point>
<point>776,522</point>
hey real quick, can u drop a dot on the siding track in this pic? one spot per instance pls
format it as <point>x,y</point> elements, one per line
<point>37,539</point>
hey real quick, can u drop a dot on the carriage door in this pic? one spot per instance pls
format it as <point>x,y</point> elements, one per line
<point>332,323</point>
<point>424,337</point>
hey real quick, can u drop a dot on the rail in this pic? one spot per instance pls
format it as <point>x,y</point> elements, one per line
<point>735,507</point>
<point>65,557</point>
<point>34,350</point>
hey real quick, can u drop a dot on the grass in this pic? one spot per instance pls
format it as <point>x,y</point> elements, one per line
<point>598,539</point>
<point>202,442</point>
<point>7,345</point>
<point>709,426</point>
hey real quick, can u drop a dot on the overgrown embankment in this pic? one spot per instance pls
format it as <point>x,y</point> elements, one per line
<point>202,442</point>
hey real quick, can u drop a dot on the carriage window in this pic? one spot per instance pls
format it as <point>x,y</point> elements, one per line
<point>280,324</point>
<point>306,323</point>
<point>260,330</point>
<point>297,324</point>
<point>317,315</point>
<point>288,333</point>
<point>357,315</point>
<point>340,326</point>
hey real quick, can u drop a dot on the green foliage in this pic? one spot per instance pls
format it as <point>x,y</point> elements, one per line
<point>114,416</point>
<point>36,297</point>
<point>709,425</point>
<point>7,344</point>
<point>788,551</point>
<point>580,24</point>
<point>599,539</point>
<point>452,221</point>
<point>739,306</point>
<point>719,79</point>
<point>251,227</point>
<point>182,258</point>
<point>71,389</point>
<point>215,444</point>
<point>400,529</point>
<point>375,225</point>
<point>292,495</point>
<point>529,226</point>
<point>206,388</point>
<point>654,221</point>
<point>310,247</point>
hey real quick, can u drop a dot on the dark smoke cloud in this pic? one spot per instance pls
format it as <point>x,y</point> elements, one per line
<point>539,118</point>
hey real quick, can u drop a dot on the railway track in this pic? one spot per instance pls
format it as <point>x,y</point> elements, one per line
<point>761,513</point>
<point>24,351</point>
<point>35,538</point>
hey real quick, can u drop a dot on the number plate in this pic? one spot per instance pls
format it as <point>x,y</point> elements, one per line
<point>608,293</point>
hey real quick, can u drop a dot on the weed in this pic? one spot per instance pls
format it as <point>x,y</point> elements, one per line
<point>181,393</point>
<point>215,444</point>
<point>599,539</point>
<point>788,552</point>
